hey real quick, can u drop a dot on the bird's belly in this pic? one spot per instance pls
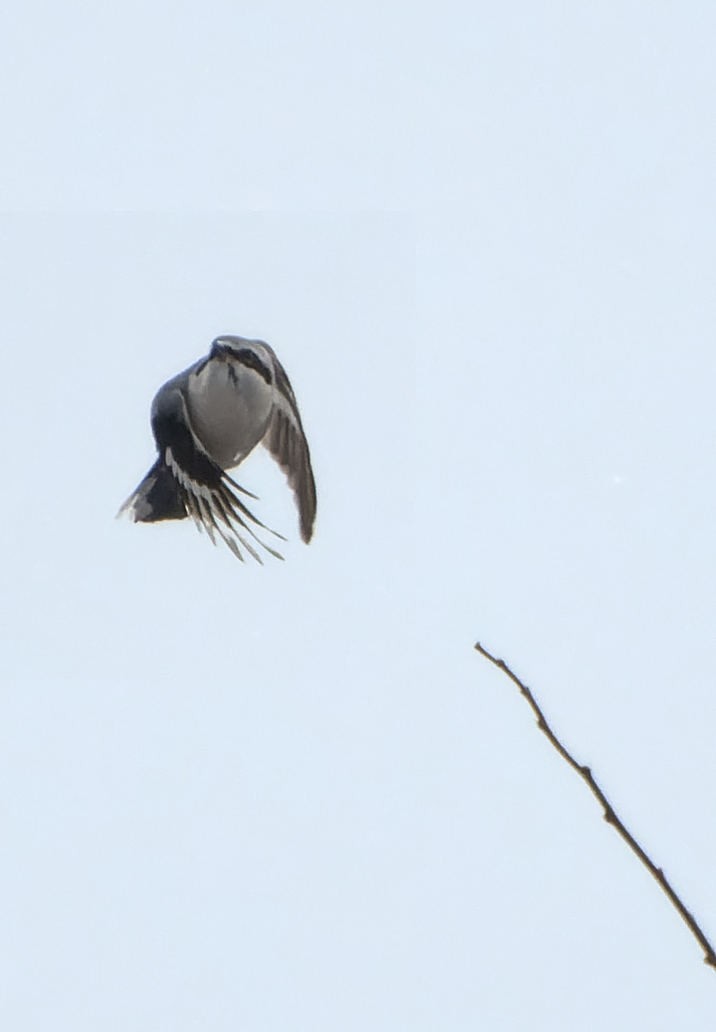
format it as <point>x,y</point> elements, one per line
<point>230,409</point>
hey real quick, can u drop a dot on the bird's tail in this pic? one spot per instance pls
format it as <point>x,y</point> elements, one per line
<point>158,497</point>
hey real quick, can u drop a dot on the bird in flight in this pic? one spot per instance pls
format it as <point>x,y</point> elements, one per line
<point>205,421</point>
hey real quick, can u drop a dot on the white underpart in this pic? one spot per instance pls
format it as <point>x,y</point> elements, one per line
<point>229,406</point>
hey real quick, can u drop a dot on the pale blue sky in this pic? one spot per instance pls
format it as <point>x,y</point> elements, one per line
<point>482,242</point>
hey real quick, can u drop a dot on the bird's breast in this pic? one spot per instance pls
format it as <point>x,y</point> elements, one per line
<point>230,407</point>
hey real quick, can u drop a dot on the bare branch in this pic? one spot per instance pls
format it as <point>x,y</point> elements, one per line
<point>609,814</point>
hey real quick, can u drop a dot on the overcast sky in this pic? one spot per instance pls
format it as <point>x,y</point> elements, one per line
<point>481,239</point>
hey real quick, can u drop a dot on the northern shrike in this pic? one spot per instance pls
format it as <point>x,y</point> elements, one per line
<point>205,421</point>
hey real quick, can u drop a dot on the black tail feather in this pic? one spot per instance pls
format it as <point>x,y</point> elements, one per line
<point>158,497</point>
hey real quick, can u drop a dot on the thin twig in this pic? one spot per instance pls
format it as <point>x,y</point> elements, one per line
<point>609,815</point>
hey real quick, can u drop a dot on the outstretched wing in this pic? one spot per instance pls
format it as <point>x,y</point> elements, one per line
<point>287,443</point>
<point>207,491</point>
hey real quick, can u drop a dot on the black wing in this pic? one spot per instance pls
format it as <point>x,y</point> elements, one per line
<point>287,443</point>
<point>207,492</point>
